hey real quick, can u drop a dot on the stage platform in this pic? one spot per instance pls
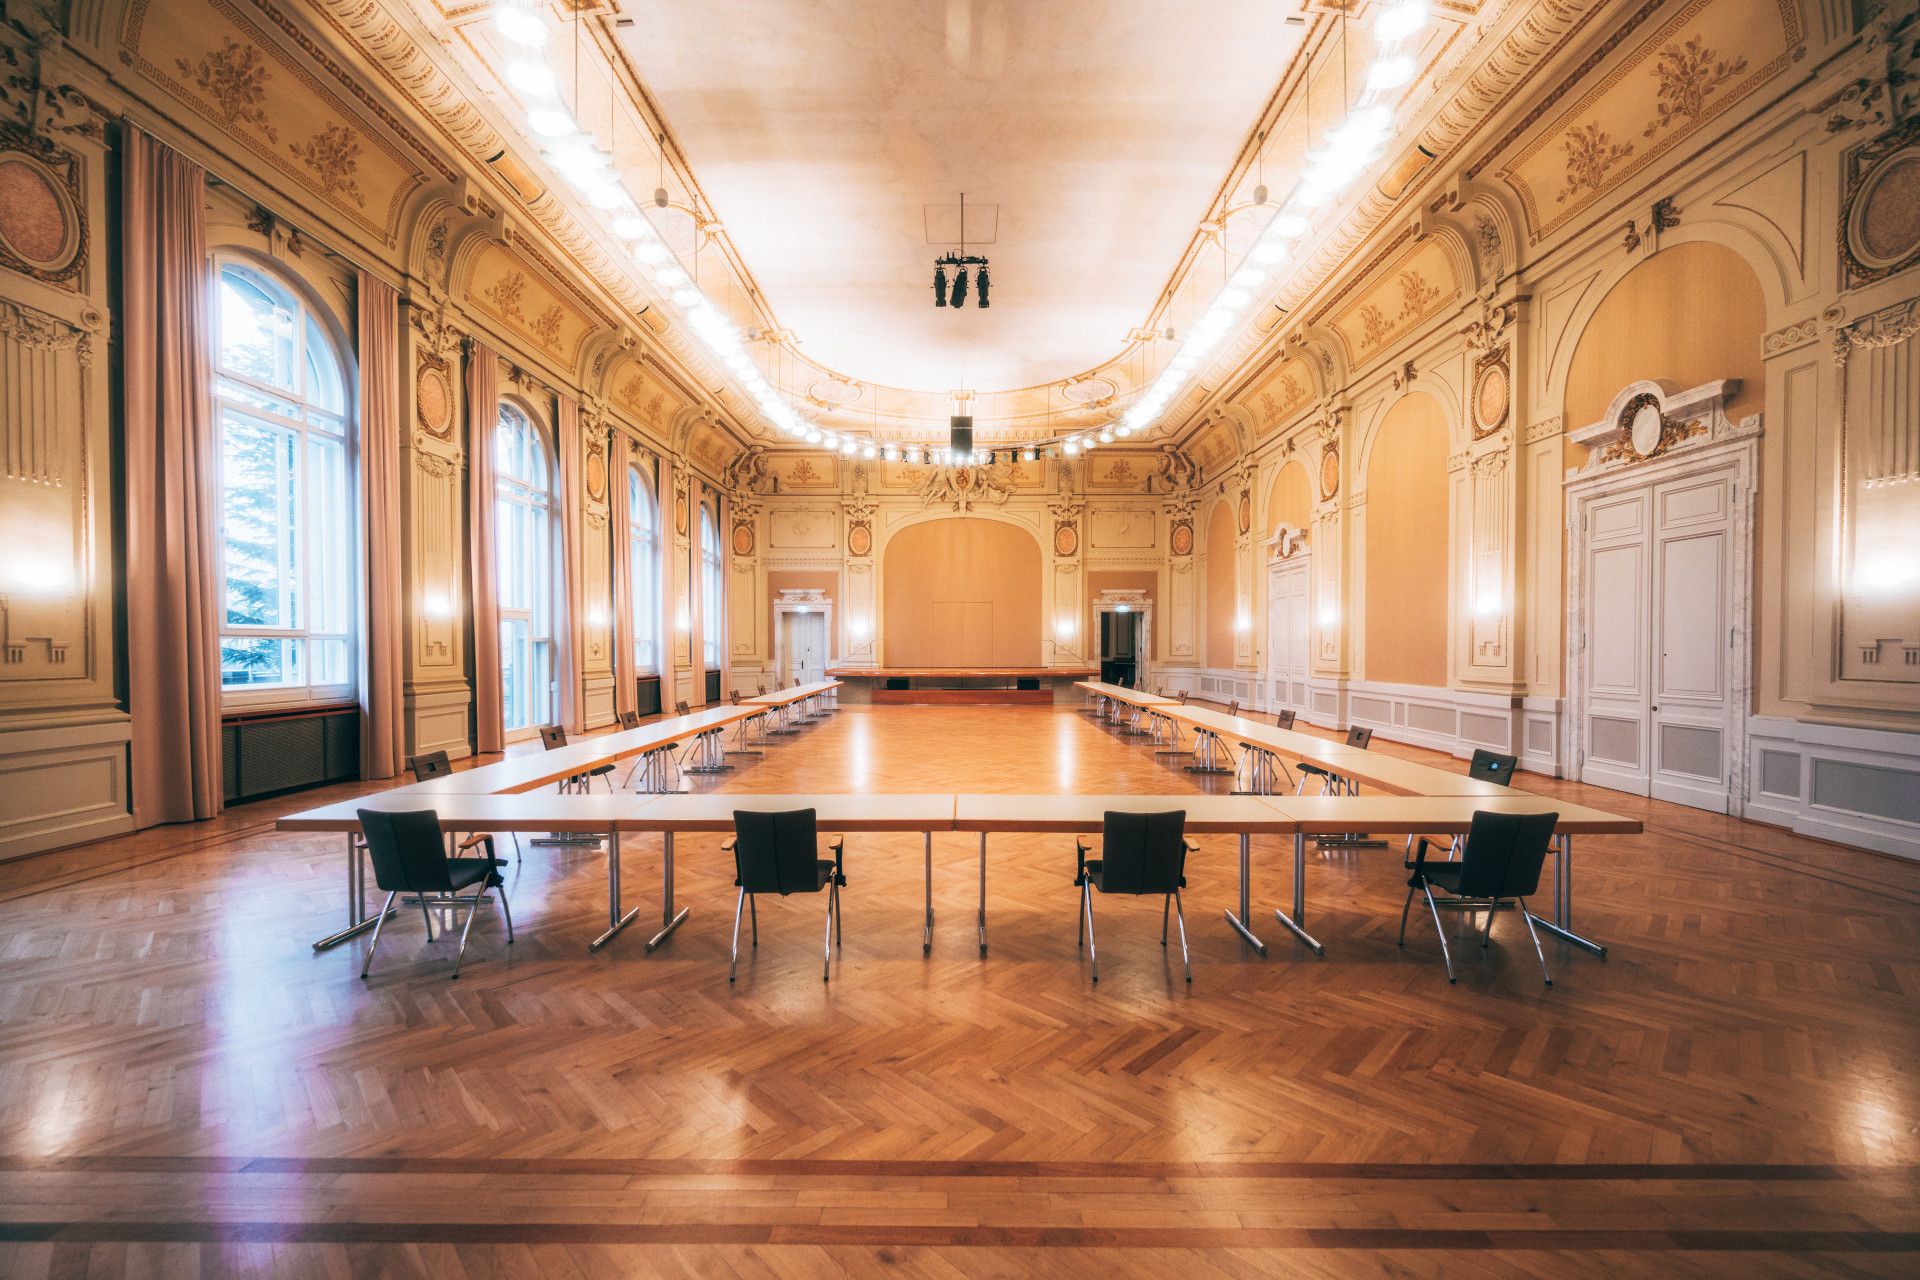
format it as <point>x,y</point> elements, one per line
<point>1040,685</point>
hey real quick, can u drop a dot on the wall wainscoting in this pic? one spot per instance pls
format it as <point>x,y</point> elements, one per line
<point>1854,786</point>
<point>439,717</point>
<point>61,786</point>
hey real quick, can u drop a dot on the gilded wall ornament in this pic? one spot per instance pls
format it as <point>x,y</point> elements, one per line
<point>1880,212</point>
<point>1492,394</point>
<point>1181,538</point>
<point>42,226</point>
<point>1329,473</point>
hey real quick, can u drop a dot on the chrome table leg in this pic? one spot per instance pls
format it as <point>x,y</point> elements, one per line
<point>926,942</point>
<point>983,893</point>
<point>357,919</point>
<point>1561,926</point>
<point>1246,892</point>
<point>1296,921</point>
<point>669,919</point>
<point>616,921</point>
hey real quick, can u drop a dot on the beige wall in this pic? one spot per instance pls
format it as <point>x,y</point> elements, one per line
<point>778,580</point>
<point>1406,556</point>
<point>961,592</point>
<point>1220,598</point>
<point>1689,314</point>
<point>1290,500</point>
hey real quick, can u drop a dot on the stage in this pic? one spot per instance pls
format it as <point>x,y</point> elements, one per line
<point>1037,685</point>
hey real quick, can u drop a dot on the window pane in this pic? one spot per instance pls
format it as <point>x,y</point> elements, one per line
<point>332,661</point>
<point>260,662</point>
<point>238,393</point>
<point>257,475</point>
<point>258,319</point>
<point>326,387</point>
<point>331,514</point>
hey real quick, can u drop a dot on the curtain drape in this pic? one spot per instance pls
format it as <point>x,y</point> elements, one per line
<point>382,734</point>
<point>172,485</point>
<point>696,598</point>
<point>567,636</point>
<point>723,529</point>
<point>483,417</point>
<point>669,588</point>
<point>619,462</point>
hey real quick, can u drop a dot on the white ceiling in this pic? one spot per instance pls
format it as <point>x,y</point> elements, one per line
<point>819,131</point>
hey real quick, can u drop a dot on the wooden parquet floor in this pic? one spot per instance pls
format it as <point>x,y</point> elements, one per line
<point>186,1089</point>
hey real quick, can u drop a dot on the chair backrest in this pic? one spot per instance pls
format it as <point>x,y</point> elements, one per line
<point>551,736</point>
<point>430,764</point>
<point>1183,696</point>
<point>776,852</point>
<point>409,855</point>
<point>1233,708</point>
<point>680,708</point>
<point>762,693</point>
<point>735,696</point>
<point>1143,852</point>
<point>1284,719</point>
<point>1491,766</point>
<point>1359,737</point>
<point>629,719</point>
<point>1504,853</point>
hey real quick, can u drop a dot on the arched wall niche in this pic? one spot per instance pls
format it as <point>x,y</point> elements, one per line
<point>961,591</point>
<point>1290,498</point>
<point>1692,313</point>
<point>1220,598</point>
<point>1405,570</point>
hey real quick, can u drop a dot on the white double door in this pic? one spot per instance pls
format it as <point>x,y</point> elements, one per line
<point>1656,646</point>
<point>1288,601</point>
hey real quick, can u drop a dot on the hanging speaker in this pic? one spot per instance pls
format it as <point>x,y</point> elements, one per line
<point>960,434</point>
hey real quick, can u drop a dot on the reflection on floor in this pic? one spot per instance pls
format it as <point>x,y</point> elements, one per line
<point>185,1087</point>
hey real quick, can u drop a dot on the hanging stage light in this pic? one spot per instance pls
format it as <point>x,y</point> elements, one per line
<point>939,285</point>
<point>983,284</point>
<point>959,286</point>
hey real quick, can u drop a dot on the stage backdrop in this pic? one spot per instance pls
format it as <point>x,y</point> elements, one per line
<point>961,592</point>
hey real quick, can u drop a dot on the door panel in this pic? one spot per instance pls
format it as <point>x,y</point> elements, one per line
<point>1614,739</point>
<point>1692,695</point>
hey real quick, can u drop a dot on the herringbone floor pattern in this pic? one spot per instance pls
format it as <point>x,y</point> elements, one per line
<point>186,1089</point>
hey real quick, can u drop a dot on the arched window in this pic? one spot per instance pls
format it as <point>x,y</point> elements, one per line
<point>288,555</point>
<point>712,583</point>
<point>523,564</point>
<point>643,544</point>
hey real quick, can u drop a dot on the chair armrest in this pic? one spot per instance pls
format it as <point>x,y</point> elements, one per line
<point>839,847</point>
<point>479,838</point>
<point>726,846</point>
<point>1189,845</point>
<point>1080,848</point>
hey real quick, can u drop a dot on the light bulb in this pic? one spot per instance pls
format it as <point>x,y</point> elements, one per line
<point>1071,447</point>
<point>1286,226</point>
<point>605,194</point>
<point>1390,73</point>
<point>847,447</point>
<point>1106,435</point>
<point>868,452</point>
<point>1233,299</point>
<point>650,251</point>
<point>686,297</point>
<point>550,122</point>
<point>890,453</point>
<point>532,78</point>
<point>670,277</point>
<point>1399,21</point>
<point>520,25</point>
<point>1270,251</point>
<point>630,226</point>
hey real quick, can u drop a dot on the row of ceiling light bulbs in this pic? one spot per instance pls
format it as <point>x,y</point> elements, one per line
<point>1345,152</point>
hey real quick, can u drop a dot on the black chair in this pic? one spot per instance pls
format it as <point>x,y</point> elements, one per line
<point>1486,766</point>
<point>1500,860</point>
<point>1140,854</point>
<point>1283,719</point>
<point>410,856</point>
<point>780,853</point>
<point>1359,737</point>
<point>552,736</point>
<point>628,719</point>
<point>1332,783</point>
<point>1233,708</point>
<point>434,764</point>
<point>681,708</point>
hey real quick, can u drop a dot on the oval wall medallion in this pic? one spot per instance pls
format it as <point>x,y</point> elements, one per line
<point>1089,391</point>
<point>39,222</point>
<point>1884,229</point>
<point>1329,473</point>
<point>859,540</point>
<point>1643,428</point>
<point>1182,539</point>
<point>433,401</point>
<point>743,539</point>
<point>680,513</point>
<point>597,476</point>
<point>1066,540</point>
<point>1246,513</point>
<point>1491,400</point>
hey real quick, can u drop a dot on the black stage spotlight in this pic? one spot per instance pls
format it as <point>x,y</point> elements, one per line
<point>939,285</point>
<point>960,286</point>
<point>983,284</point>
<point>960,434</point>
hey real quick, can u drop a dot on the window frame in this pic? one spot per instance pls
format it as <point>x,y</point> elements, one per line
<point>336,523</point>
<point>510,493</point>
<point>643,552</point>
<point>713,588</point>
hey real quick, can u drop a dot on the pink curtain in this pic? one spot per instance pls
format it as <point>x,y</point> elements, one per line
<point>669,588</point>
<point>382,737</point>
<point>483,418</point>
<point>696,599</point>
<point>173,595</point>
<point>724,529</point>
<point>619,460</point>
<point>568,638</point>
